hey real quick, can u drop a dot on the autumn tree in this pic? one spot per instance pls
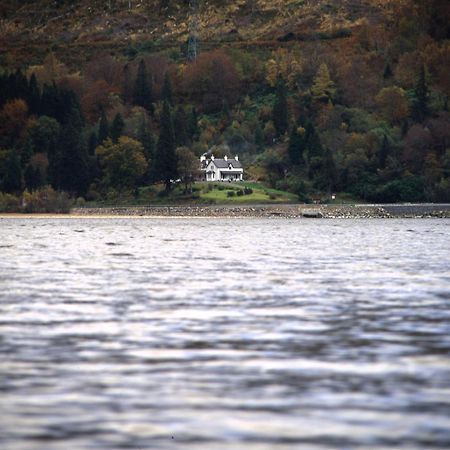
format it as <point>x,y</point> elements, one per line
<point>393,104</point>
<point>188,167</point>
<point>13,118</point>
<point>123,163</point>
<point>211,80</point>
<point>323,89</point>
<point>286,64</point>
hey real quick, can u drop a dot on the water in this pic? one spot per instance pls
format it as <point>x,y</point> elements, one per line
<point>224,334</point>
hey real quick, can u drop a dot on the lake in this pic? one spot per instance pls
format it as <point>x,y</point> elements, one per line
<point>215,334</point>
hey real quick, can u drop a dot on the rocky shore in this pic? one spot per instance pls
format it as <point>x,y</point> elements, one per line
<point>286,211</point>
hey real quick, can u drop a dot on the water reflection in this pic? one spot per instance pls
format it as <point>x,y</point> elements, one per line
<point>208,334</point>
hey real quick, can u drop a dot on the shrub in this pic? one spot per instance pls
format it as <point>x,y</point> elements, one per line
<point>221,187</point>
<point>231,194</point>
<point>240,193</point>
<point>9,203</point>
<point>248,191</point>
<point>46,200</point>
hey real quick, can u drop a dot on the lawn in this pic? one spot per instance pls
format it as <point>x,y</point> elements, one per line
<point>228,193</point>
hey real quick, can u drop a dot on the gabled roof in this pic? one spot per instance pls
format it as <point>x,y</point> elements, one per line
<point>224,164</point>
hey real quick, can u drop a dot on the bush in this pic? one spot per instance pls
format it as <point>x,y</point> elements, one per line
<point>248,191</point>
<point>46,200</point>
<point>240,193</point>
<point>231,194</point>
<point>221,187</point>
<point>9,203</point>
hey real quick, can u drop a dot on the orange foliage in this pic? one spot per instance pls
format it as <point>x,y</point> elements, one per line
<point>13,118</point>
<point>393,104</point>
<point>212,81</point>
<point>99,95</point>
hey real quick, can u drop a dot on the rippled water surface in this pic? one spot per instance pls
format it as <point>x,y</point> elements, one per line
<point>224,334</point>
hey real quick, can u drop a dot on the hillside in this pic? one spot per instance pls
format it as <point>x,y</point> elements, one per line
<point>30,28</point>
<point>102,99</point>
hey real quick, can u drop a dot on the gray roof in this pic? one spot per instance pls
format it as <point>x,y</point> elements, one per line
<point>223,164</point>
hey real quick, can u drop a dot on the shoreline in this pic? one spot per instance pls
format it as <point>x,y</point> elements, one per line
<point>291,211</point>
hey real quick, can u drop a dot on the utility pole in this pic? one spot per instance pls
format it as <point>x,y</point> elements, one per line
<point>192,50</point>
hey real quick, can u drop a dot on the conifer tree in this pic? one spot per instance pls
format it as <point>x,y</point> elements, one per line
<point>146,138</point>
<point>34,95</point>
<point>167,89</point>
<point>92,143</point>
<point>280,110</point>
<point>259,138</point>
<point>383,153</point>
<point>12,179</point>
<point>72,162</point>
<point>117,127</point>
<point>296,145</point>
<point>180,126</point>
<point>193,130</point>
<point>103,128</point>
<point>142,92</point>
<point>420,104</point>
<point>323,88</point>
<point>166,160</point>
<point>26,153</point>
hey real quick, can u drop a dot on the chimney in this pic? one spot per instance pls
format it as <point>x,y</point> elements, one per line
<point>212,157</point>
<point>236,158</point>
<point>225,158</point>
<point>202,158</point>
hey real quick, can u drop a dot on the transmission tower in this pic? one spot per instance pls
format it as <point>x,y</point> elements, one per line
<point>192,50</point>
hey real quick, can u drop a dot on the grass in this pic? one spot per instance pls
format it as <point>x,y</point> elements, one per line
<point>203,193</point>
<point>218,193</point>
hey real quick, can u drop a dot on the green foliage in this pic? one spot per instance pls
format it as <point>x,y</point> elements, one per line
<point>280,110</point>
<point>143,87</point>
<point>123,163</point>
<point>117,127</point>
<point>165,159</point>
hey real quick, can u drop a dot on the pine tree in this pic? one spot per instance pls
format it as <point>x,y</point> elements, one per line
<point>26,153</point>
<point>259,138</point>
<point>180,126</point>
<point>296,146</point>
<point>12,180</point>
<point>142,92</point>
<point>280,110</point>
<point>117,127</point>
<point>387,73</point>
<point>166,160</point>
<point>383,153</point>
<point>167,89</point>
<point>92,143</point>
<point>323,88</point>
<point>146,138</point>
<point>72,162</point>
<point>34,95</point>
<point>193,130</point>
<point>103,128</point>
<point>420,104</point>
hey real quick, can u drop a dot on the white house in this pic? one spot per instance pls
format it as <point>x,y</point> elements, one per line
<point>226,169</point>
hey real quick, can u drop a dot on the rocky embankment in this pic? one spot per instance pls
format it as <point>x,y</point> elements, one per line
<point>286,211</point>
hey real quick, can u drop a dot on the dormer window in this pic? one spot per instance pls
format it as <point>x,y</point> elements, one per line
<point>230,166</point>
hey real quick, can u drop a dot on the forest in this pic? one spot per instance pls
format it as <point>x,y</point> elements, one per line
<point>361,110</point>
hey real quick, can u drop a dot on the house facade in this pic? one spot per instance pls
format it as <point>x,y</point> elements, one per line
<point>218,169</point>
